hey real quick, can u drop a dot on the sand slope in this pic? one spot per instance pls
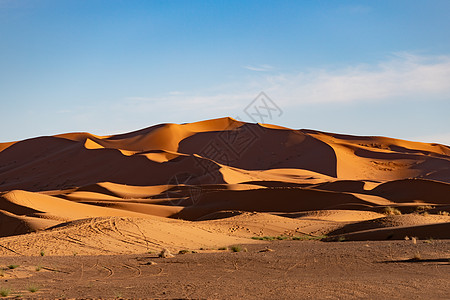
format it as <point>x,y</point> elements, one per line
<point>228,181</point>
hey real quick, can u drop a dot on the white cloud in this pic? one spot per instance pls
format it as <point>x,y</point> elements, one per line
<point>403,77</point>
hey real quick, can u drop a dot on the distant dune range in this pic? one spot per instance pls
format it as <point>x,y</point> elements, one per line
<point>215,183</point>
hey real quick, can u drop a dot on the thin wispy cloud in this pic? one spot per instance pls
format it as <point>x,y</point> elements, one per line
<point>259,68</point>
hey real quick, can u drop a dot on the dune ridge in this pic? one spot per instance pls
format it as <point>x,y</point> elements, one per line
<point>225,178</point>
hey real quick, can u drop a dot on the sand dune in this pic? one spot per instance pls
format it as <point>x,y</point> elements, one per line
<point>227,180</point>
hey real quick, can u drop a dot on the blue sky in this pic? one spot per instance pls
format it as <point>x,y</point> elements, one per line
<point>355,67</point>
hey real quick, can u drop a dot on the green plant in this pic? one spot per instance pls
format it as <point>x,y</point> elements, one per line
<point>263,238</point>
<point>391,211</point>
<point>12,266</point>
<point>42,253</point>
<point>33,288</point>
<point>4,292</point>
<point>236,248</point>
<point>38,268</point>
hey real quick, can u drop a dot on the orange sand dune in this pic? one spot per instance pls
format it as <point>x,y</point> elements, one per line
<point>222,174</point>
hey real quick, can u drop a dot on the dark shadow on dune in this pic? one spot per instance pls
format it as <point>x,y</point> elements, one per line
<point>264,149</point>
<point>409,190</point>
<point>52,163</point>
<point>280,200</point>
<point>416,260</point>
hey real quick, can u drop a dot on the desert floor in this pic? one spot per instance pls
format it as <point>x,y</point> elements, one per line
<point>290,269</point>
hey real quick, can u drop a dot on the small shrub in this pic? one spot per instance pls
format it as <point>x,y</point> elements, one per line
<point>422,208</point>
<point>341,239</point>
<point>42,253</point>
<point>184,251</point>
<point>416,256</point>
<point>165,253</point>
<point>391,211</point>
<point>12,266</point>
<point>38,268</point>
<point>33,288</point>
<point>236,248</point>
<point>4,292</point>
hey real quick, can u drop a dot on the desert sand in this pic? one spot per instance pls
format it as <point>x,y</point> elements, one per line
<point>216,183</point>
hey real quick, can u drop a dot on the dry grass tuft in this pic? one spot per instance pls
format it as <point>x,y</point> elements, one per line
<point>165,253</point>
<point>236,248</point>
<point>33,288</point>
<point>12,266</point>
<point>416,257</point>
<point>391,211</point>
<point>4,292</point>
